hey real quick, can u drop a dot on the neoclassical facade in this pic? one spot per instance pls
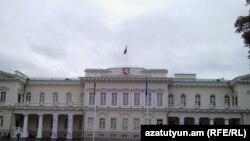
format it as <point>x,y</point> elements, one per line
<point>114,102</point>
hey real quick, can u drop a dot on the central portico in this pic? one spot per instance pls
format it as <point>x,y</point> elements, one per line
<point>120,101</point>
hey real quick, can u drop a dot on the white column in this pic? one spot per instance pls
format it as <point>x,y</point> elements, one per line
<point>54,127</point>
<point>196,120</point>
<point>70,126</point>
<point>211,121</point>
<point>25,126</point>
<point>226,120</point>
<point>40,126</point>
<point>181,120</point>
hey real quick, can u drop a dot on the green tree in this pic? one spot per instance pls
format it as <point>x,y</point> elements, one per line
<point>242,25</point>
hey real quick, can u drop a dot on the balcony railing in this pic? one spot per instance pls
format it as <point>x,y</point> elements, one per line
<point>55,104</point>
<point>195,106</point>
<point>81,105</point>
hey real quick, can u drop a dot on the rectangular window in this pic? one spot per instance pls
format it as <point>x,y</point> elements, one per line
<point>90,123</point>
<point>124,136</point>
<point>170,101</point>
<point>2,97</point>
<point>1,121</point>
<point>113,123</point>
<point>148,99</point>
<point>136,136</point>
<point>136,123</point>
<point>91,99</point>
<point>159,99</point>
<point>159,121</point>
<point>137,99</point>
<point>103,99</point>
<point>212,101</point>
<point>198,100</point>
<point>183,100</point>
<point>28,97</point>
<point>114,99</point>
<point>69,98</point>
<point>102,123</point>
<point>125,99</point>
<point>124,124</point>
<point>55,98</point>
<point>41,99</point>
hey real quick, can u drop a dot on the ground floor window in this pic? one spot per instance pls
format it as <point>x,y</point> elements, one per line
<point>159,121</point>
<point>136,123</point>
<point>90,123</point>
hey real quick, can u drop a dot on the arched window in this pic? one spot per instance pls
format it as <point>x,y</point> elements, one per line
<point>212,101</point>
<point>198,100</point>
<point>55,97</point>
<point>227,100</point>
<point>170,100</point>
<point>183,100</point>
<point>41,98</point>
<point>28,97</point>
<point>69,96</point>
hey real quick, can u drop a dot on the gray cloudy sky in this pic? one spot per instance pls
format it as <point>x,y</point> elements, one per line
<point>61,38</point>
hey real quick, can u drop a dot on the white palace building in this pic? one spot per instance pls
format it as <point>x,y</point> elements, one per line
<point>73,108</point>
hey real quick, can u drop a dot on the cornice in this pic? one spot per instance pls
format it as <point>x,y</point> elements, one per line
<point>129,109</point>
<point>244,81</point>
<point>8,79</point>
<point>199,84</point>
<point>52,83</point>
<point>113,90</point>
<point>125,79</point>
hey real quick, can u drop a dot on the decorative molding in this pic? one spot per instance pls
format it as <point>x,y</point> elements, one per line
<point>200,84</point>
<point>125,79</point>
<point>126,90</point>
<point>91,90</point>
<point>137,90</point>
<point>160,90</point>
<point>103,90</point>
<point>55,83</point>
<point>4,89</point>
<point>114,90</point>
<point>1,78</point>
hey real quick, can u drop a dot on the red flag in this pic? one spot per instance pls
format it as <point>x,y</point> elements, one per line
<point>125,51</point>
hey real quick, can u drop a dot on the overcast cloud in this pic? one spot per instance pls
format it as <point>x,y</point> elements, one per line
<point>62,38</point>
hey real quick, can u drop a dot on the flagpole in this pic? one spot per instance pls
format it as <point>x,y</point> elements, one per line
<point>147,99</point>
<point>126,56</point>
<point>94,110</point>
<point>126,60</point>
<point>147,109</point>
